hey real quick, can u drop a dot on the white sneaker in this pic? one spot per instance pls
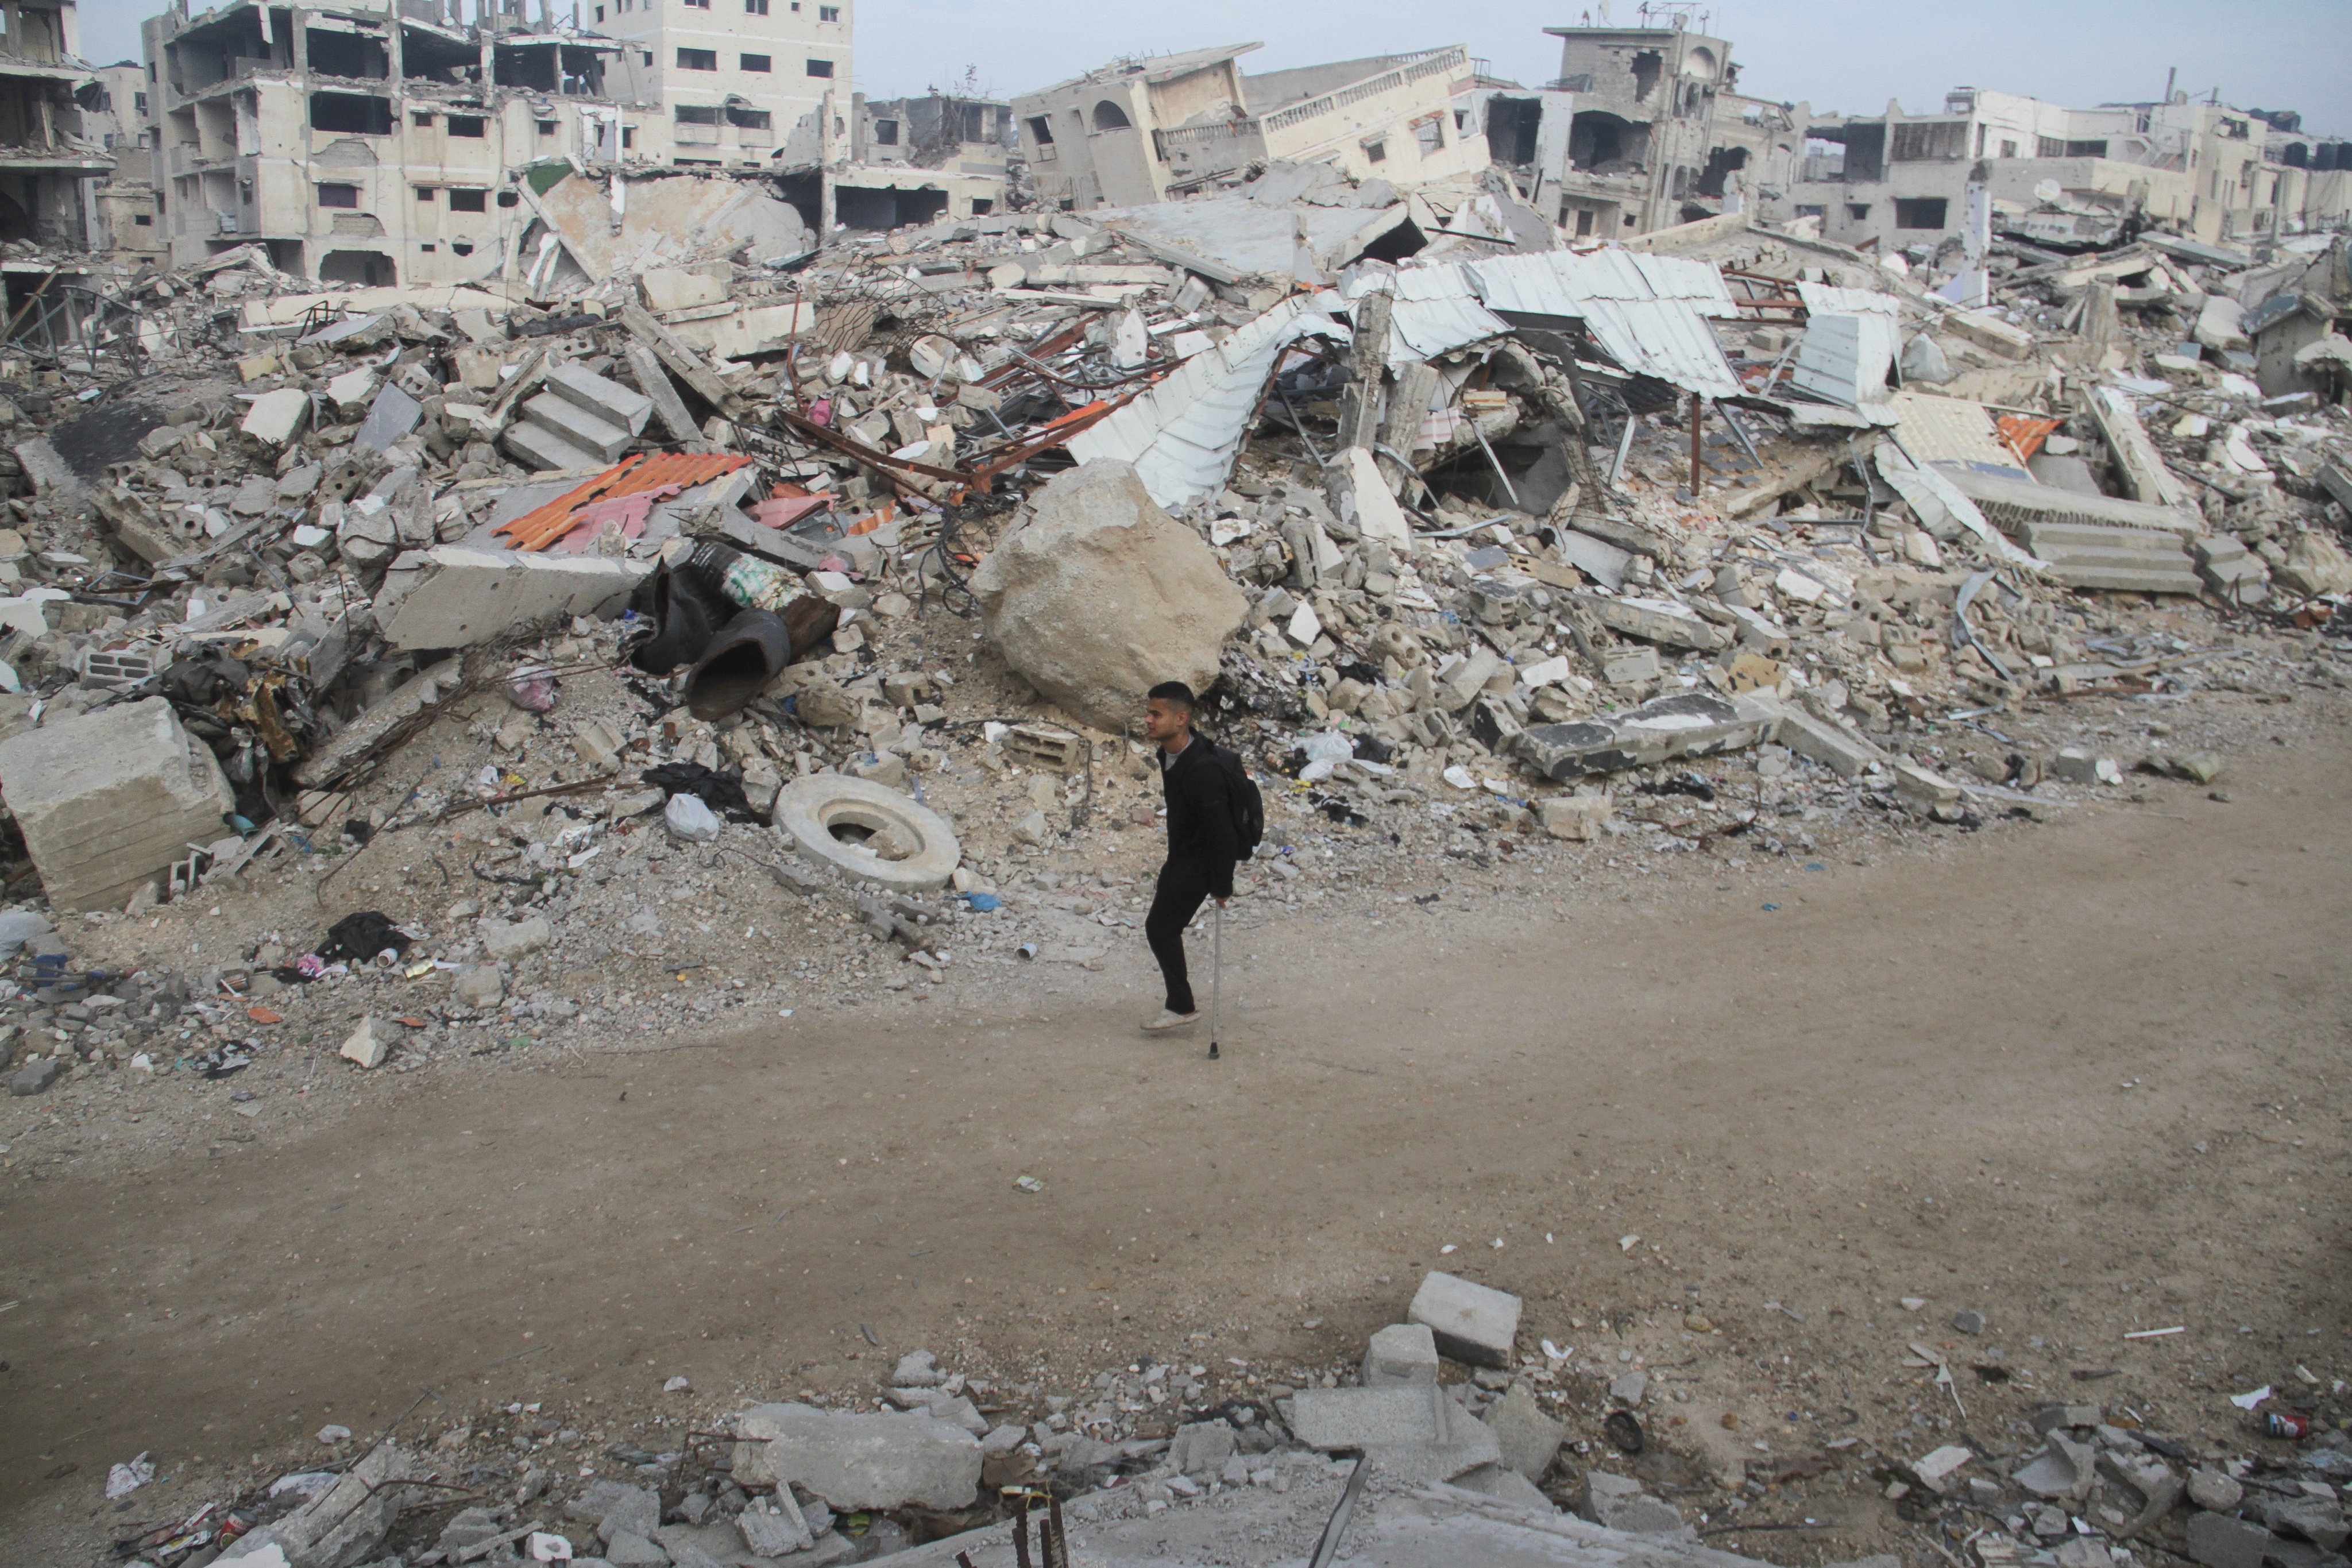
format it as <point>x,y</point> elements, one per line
<point>1169,1020</point>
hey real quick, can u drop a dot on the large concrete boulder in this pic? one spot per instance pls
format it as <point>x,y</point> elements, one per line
<point>857,1462</point>
<point>1100,595</point>
<point>108,800</point>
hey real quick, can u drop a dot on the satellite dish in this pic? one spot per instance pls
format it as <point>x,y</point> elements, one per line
<point>2048,191</point>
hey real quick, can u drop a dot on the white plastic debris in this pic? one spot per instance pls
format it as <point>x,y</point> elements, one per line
<point>689,820</point>
<point>124,1479</point>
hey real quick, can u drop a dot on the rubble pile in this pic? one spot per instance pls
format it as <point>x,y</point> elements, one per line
<point>1453,1403</point>
<point>827,583</point>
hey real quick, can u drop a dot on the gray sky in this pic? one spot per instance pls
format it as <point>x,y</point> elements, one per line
<point>1850,56</point>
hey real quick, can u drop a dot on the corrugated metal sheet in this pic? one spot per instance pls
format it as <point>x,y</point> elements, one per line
<point>1823,297</point>
<point>1649,312</point>
<point>1433,310</point>
<point>1845,359</point>
<point>1184,433</point>
<point>1957,431</point>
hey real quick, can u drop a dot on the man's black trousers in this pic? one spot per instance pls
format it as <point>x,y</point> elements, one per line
<point>1174,904</point>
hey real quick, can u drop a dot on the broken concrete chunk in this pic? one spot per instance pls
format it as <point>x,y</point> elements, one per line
<point>1401,1354</point>
<point>1618,1502</point>
<point>35,1076</point>
<point>1100,594</point>
<point>1656,620</point>
<point>1689,723</point>
<point>108,801</point>
<point>1530,1439</point>
<point>2064,1468</point>
<point>1470,1322</point>
<point>277,418</point>
<point>455,595</point>
<point>2219,1540</point>
<point>369,1044</point>
<point>2214,1490</point>
<point>1201,1447</point>
<point>502,940</point>
<point>343,1524</point>
<point>858,1461</point>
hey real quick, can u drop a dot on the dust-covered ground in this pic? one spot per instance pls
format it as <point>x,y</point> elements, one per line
<point>2080,1075</point>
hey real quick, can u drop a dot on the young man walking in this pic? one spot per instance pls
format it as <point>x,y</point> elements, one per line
<point>1201,843</point>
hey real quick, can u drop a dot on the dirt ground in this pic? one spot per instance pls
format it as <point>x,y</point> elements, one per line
<point>2083,1077</point>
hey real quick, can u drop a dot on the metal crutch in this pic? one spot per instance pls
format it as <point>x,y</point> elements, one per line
<point>1216,980</point>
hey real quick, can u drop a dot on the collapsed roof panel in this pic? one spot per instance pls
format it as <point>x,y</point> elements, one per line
<point>1183,434</point>
<point>1648,312</point>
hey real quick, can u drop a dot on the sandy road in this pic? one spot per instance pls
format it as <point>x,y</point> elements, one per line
<point>2085,1076</point>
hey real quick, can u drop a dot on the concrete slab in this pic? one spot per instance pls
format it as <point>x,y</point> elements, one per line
<point>1688,724</point>
<point>606,398</point>
<point>455,595</point>
<point>1473,1323</point>
<point>858,1461</point>
<point>108,801</point>
<point>277,418</point>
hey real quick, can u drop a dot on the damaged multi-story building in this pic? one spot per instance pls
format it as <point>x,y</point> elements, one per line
<point>364,144</point>
<point>915,159</point>
<point>2059,176</point>
<point>1145,129</point>
<point>1642,130</point>
<point>723,82</point>
<point>47,165</point>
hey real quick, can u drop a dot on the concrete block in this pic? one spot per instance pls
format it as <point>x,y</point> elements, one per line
<point>1461,686</point>
<point>1577,819</point>
<point>2074,765</point>
<point>1529,1438</point>
<point>1201,1447</point>
<point>1845,752</point>
<point>1922,791</point>
<point>108,801</point>
<point>857,1462</point>
<point>480,985</point>
<point>1656,621</point>
<point>602,397</point>
<point>1401,1354</point>
<point>369,1044</point>
<point>351,390</point>
<point>1688,724</point>
<point>277,418</point>
<point>47,471</point>
<point>1505,1485</point>
<point>1618,1502</point>
<point>1992,333</point>
<point>1328,1418</point>
<point>455,595</point>
<point>2220,1540</point>
<point>772,1527</point>
<point>501,940</point>
<point>674,288</point>
<point>577,427</point>
<point>1470,1322</point>
<point>35,1076</point>
<point>1629,666</point>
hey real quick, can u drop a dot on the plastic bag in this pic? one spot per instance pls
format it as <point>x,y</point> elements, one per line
<point>689,820</point>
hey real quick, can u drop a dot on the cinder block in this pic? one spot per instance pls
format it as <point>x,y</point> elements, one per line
<point>1399,1354</point>
<point>1473,1323</point>
<point>108,801</point>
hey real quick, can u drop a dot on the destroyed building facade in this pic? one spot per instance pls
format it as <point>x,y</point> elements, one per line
<point>47,162</point>
<point>1640,131</point>
<point>364,146</point>
<point>1142,130</point>
<point>2057,176</point>
<point>723,81</point>
<point>912,160</point>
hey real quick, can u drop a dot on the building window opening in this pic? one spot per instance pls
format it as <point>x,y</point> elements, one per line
<point>1109,116</point>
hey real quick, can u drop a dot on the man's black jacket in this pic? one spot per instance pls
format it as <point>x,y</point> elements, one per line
<point>1201,841</point>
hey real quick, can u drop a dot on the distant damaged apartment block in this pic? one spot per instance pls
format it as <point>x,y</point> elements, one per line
<point>45,158</point>
<point>2068,178</point>
<point>1143,130</point>
<point>1641,130</point>
<point>360,144</point>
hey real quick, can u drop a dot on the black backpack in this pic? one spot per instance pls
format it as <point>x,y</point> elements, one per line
<point>1243,799</point>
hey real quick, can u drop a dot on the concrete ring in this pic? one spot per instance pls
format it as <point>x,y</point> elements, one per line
<point>868,831</point>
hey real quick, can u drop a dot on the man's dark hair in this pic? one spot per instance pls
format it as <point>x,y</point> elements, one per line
<point>1174,691</point>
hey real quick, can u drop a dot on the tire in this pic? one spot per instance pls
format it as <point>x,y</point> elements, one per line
<point>904,846</point>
